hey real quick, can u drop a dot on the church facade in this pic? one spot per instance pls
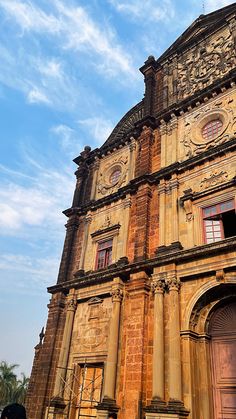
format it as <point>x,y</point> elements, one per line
<point>142,320</point>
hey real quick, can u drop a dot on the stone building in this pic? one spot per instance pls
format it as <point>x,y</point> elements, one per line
<point>142,320</point>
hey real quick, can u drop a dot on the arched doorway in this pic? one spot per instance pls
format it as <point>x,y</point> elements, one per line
<point>222,329</point>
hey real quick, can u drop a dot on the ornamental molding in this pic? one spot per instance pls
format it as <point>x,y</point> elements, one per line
<point>104,184</point>
<point>193,141</point>
<point>158,283</point>
<point>205,63</point>
<point>71,303</point>
<point>173,283</point>
<point>117,295</point>
<point>215,178</point>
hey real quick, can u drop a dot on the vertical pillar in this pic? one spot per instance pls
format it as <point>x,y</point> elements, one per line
<point>87,222</point>
<point>108,404</point>
<point>174,184</point>
<point>162,209</point>
<point>132,148</point>
<point>96,166</point>
<point>163,132</point>
<point>112,356</point>
<point>65,347</point>
<point>126,218</point>
<point>175,381</point>
<point>158,284</point>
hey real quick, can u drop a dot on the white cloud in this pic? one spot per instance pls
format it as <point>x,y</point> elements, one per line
<point>211,5</point>
<point>51,68</point>
<point>75,30</point>
<point>38,204</point>
<point>146,11</point>
<point>30,17</point>
<point>98,127</point>
<point>33,273</point>
<point>35,95</point>
<point>66,135</point>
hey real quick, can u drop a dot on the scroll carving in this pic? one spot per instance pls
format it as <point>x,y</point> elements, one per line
<point>105,186</point>
<point>193,140</point>
<point>117,295</point>
<point>173,283</point>
<point>158,285</point>
<point>215,178</point>
<point>204,64</point>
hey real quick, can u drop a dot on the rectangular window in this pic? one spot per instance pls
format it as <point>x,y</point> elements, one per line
<point>219,221</point>
<point>104,254</point>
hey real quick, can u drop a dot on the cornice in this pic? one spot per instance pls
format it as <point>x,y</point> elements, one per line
<point>181,47</point>
<point>153,178</point>
<point>124,269</point>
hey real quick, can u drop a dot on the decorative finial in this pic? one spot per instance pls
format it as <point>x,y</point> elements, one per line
<point>41,336</point>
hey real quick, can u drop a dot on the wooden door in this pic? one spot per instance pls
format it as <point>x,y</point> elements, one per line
<point>223,359</point>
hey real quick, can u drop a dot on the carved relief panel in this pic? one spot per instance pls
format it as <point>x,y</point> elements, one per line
<point>113,173</point>
<point>208,126</point>
<point>197,68</point>
<point>91,327</point>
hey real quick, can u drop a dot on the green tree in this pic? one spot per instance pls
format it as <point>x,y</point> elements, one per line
<point>12,389</point>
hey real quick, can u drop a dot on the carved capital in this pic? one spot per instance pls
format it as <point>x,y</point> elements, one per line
<point>117,295</point>
<point>158,284</point>
<point>173,283</point>
<point>71,303</point>
<point>163,127</point>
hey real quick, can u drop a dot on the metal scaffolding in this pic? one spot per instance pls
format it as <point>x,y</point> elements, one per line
<point>81,391</point>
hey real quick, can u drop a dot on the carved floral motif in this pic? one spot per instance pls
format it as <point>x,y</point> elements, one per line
<point>193,140</point>
<point>215,178</point>
<point>158,285</point>
<point>173,283</point>
<point>104,183</point>
<point>117,295</point>
<point>205,63</point>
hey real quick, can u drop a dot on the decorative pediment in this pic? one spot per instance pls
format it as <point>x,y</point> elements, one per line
<point>203,24</point>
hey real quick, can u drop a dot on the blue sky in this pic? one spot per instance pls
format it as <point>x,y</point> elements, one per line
<point>68,73</point>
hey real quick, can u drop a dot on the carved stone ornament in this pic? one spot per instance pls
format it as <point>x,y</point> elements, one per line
<point>158,285</point>
<point>220,109</point>
<point>106,184</point>
<point>107,222</point>
<point>188,207</point>
<point>172,125</point>
<point>71,303</point>
<point>117,295</point>
<point>204,64</point>
<point>215,178</point>
<point>173,283</point>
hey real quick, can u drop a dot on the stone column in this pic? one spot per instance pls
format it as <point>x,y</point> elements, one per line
<point>65,347</point>
<point>158,284</point>
<point>132,148</point>
<point>96,166</point>
<point>163,132</point>
<point>175,382</point>
<point>162,209</point>
<point>87,222</point>
<point>112,356</point>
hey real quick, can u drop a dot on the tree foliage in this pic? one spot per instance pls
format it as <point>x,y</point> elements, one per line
<point>12,389</point>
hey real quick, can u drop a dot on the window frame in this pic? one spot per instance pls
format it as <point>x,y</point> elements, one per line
<point>217,210</point>
<point>107,248</point>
